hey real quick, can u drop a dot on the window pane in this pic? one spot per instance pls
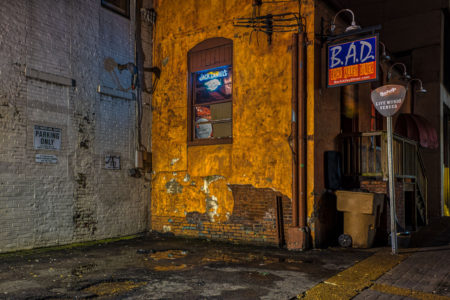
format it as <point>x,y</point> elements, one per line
<point>203,129</point>
<point>213,85</point>
<point>213,121</point>
<point>221,129</point>
<point>221,111</point>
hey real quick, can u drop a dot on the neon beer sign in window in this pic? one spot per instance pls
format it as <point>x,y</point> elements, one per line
<point>213,85</point>
<point>353,62</point>
<point>213,75</point>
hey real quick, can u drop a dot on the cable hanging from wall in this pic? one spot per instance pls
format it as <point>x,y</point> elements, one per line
<point>269,23</point>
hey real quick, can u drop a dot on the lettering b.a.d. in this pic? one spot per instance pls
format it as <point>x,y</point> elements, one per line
<point>364,57</point>
<point>335,61</point>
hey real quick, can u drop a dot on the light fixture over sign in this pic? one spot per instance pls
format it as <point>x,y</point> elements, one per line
<point>406,76</point>
<point>353,25</point>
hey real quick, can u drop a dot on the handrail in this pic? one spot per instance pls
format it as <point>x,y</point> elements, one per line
<point>365,153</point>
<point>422,183</point>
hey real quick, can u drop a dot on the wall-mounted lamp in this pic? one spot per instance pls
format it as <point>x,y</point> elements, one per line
<point>406,76</point>
<point>421,88</point>
<point>353,25</point>
<point>384,54</point>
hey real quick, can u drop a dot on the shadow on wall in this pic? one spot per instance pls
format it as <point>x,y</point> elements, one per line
<point>329,223</point>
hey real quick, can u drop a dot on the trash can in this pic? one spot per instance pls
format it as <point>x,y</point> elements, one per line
<point>361,215</point>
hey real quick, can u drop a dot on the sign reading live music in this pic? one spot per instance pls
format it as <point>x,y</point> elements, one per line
<point>388,99</point>
<point>353,62</point>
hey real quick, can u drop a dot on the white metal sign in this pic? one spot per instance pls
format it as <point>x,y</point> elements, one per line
<point>46,159</point>
<point>47,138</point>
<point>112,162</point>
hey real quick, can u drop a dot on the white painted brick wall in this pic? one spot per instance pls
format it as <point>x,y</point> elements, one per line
<point>76,199</point>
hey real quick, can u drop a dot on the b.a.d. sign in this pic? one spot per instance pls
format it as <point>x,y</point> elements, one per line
<point>353,62</point>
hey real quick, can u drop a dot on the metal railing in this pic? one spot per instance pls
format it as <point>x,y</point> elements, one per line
<point>364,154</point>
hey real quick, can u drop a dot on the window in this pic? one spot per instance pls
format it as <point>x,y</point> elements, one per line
<point>210,106</point>
<point>119,6</point>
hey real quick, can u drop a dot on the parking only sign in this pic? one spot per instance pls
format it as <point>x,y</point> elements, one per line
<point>47,138</point>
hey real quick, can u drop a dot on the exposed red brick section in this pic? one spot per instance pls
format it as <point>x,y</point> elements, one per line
<point>254,219</point>
<point>382,187</point>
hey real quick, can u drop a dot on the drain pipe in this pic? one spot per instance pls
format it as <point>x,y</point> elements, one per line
<point>301,129</point>
<point>297,233</point>
<point>294,133</point>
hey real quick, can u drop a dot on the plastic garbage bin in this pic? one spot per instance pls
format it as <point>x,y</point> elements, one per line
<point>361,215</point>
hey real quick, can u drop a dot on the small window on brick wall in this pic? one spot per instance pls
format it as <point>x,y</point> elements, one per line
<point>119,6</point>
<point>210,103</point>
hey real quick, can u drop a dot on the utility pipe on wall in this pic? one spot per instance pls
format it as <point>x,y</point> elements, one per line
<point>298,233</point>
<point>294,133</point>
<point>301,129</point>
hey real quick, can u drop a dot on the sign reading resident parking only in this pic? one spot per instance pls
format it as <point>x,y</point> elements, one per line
<point>47,138</point>
<point>388,99</point>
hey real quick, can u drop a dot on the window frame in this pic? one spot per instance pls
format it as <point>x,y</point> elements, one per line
<point>206,45</point>
<point>123,11</point>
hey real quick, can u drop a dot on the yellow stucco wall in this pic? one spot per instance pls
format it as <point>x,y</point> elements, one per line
<point>196,178</point>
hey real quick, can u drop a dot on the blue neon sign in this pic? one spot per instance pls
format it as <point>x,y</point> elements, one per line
<point>213,75</point>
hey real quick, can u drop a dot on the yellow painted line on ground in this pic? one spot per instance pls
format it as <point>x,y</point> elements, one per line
<point>394,290</point>
<point>353,280</point>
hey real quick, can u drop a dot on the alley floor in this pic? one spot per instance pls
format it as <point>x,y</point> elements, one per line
<point>152,266</point>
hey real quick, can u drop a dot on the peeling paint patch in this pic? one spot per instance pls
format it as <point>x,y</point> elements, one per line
<point>174,161</point>
<point>174,187</point>
<point>186,178</point>
<point>211,207</point>
<point>208,180</point>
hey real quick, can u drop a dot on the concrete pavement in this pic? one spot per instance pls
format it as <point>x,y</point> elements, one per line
<point>162,267</point>
<point>419,272</point>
